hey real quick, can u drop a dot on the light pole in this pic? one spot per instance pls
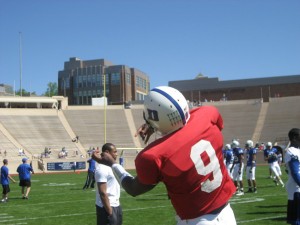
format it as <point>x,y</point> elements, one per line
<point>20,45</point>
<point>104,99</point>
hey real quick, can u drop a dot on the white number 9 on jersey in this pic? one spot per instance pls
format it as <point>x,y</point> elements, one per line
<point>206,162</point>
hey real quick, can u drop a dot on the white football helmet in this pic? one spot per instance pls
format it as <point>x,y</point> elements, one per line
<point>269,144</point>
<point>166,109</point>
<point>227,146</point>
<point>249,143</point>
<point>235,144</point>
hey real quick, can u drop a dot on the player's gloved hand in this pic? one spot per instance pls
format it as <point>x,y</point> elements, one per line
<point>240,172</point>
<point>145,131</point>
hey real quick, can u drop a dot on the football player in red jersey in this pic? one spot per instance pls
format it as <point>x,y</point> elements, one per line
<point>187,159</point>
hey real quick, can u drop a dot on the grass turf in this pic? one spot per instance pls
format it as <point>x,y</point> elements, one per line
<point>58,199</point>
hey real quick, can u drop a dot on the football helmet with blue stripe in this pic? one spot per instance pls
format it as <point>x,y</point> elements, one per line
<point>166,109</point>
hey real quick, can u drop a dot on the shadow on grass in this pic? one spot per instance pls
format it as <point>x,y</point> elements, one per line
<point>264,213</point>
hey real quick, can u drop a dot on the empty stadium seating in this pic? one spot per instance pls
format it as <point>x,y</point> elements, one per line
<point>35,129</point>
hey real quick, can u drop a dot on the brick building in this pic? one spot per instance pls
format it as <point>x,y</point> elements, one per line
<point>203,89</point>
<point>81,81</point>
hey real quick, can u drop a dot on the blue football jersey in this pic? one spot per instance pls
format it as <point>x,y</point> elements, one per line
<point>271,155</point>
<point>236,153</point>
<point>229,156</point>
<point>250,153</point>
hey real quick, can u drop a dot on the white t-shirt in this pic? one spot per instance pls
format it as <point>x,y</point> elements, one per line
<point>105,174</point>
<point>291,185</point>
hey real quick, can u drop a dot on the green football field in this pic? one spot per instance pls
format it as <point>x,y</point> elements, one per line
<point>58,199</point>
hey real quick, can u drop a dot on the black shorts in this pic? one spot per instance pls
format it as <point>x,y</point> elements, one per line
<point>6,189</point>
<point>25,183</point>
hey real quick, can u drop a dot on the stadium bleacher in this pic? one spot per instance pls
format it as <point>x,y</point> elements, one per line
<point>35,129</point>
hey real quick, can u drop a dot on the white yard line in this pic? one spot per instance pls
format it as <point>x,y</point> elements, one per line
<point>259,219</point>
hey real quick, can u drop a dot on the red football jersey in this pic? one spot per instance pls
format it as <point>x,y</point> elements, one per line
<point>190,163</point>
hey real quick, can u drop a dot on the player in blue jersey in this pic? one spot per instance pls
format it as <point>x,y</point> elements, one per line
<point>271,157</point>
<point>90,179</point>
<point>5,177</point>
<point>266,150</point>
<point>238,167</point>
<point>228,158</point>
<point>292,160</point>
<point>25,171</point>
<point>251,166</point>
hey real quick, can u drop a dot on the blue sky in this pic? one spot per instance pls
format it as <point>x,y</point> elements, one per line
<point>167,39</point>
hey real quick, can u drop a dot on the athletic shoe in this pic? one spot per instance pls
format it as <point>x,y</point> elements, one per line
<point>240,193</point>
<point>3,201</point>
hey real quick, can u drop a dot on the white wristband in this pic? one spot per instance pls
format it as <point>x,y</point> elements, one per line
<point>120,172</point>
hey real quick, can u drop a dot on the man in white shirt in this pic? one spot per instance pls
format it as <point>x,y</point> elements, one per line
<point>108,209</point>
<point>292,161</point>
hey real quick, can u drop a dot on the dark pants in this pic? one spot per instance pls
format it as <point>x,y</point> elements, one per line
<point>104,219</point>
<point>6,189</point>
<point>293,210</point>
<point>90,180</point>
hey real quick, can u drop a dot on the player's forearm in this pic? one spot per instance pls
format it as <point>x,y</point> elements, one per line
<point>134,187</point>
<point>12,179</point>
<point>130,184</point>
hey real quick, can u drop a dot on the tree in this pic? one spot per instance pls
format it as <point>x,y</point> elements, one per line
<point>200,75</point>
<point>25,93</point>
<point>51,89</point>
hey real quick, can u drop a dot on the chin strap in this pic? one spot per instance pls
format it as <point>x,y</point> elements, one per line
<point>120,172</point>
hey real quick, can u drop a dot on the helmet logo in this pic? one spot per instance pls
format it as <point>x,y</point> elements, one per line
<point>152,115</point>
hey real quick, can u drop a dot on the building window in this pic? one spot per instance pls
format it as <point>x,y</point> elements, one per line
<point>98,80</point>
<point>141,83</point>
<point>89,80</point>
<point>94,93</point>
<point>67,80</point>
<point>83,81</point>
<point>93,80</point>
<point>128,78</point>
<point>75,82</point>
<point>115,79</point>
<point>80,81</point>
